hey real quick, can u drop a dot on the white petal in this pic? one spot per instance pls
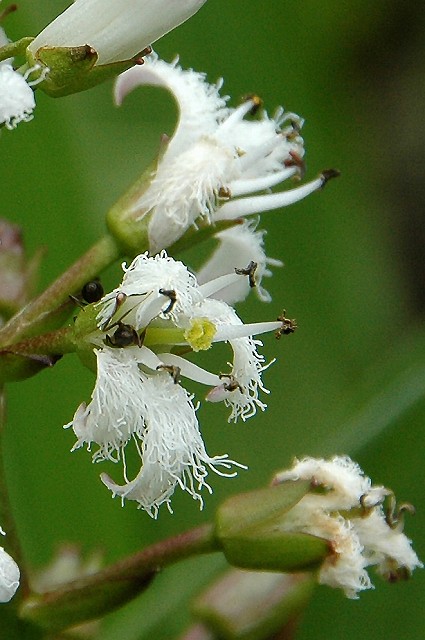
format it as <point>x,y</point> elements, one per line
<point>383,545</point>
<point>116,410</point>
<point>173,452</point>
<point>199,103</point>
<point>340,473</point>
<point>247,364</point>
<point>16,97</point>
<point>9,576</point>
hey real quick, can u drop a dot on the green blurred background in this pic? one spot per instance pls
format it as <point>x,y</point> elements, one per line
<point>352,379</point>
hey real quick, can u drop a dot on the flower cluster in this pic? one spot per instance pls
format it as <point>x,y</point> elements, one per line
<point>9,575</point>
<point>349,513</point>
<point>145,326</point>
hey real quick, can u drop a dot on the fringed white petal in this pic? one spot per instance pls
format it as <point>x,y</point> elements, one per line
<point>117,407</point>
<point>173,452</point>
<point>16,97</point>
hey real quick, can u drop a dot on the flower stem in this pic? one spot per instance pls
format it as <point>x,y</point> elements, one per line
<point>95,595</point>
<point>35,315</point>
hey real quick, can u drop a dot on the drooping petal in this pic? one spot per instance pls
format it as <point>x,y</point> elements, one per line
<point>200,104</point>
<point>117,407</point>
<point>173,452</point>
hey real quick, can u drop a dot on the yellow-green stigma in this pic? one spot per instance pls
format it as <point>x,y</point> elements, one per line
<point>200,334</point>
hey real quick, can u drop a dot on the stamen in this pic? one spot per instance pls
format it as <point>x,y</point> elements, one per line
<point>190,370</point>
<point>252,185</point>
<point>213,286</point>
<point>169,293</point>
<point>257,204</point>
<point>172,370</point>
<point>238,114</point>
<point>288,326</point>
<point>250,272</point>
<point>230,332</point>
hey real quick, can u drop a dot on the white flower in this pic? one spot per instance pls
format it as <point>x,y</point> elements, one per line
<point>348,512</point>
<point>158,307</point>
<point>9,575</point>
<point>117,30</point>
<point>215,156</point>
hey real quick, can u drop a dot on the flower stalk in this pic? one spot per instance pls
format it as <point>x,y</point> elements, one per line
<point>43,313</point>
<point>94,596</point>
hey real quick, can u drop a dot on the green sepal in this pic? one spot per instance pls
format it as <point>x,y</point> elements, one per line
<point>73,69</point>
<point>251,530</point>
<point>85,328</point>
<point>275,550</point>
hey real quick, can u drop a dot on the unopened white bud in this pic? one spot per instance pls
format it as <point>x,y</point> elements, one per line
<point>117,29</point>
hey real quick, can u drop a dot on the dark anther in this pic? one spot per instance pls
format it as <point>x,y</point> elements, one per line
<point>120,298</point>
<point>92,291</point>
<point>169,293</point>
<point>397,573</point>
<point>288,326</point>
<point>232,384</point>
<point>173,370</point>
<point>295,160</point>
<point>224,193</point>
<point>250,272</point>
<point>146,51</point>
<point>257,102</point>
<point>328,174</point>
<point>138,59</point>
<point>124,336</point>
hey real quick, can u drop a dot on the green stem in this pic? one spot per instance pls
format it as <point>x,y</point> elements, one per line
<point>31,319</point>
<point>13,49</point>
<point>95,595</point>
<point>7,522</point>
<point>54,343</point>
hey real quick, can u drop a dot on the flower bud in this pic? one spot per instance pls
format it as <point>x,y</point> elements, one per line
<point>16,271</point>
<point>323,515</point>
<point>93,33</point>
